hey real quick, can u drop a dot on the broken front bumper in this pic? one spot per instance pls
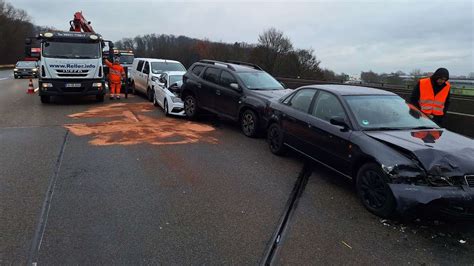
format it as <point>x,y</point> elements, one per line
<point>456,201</point>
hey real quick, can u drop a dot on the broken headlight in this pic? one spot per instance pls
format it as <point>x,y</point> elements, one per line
<point>439,181</point>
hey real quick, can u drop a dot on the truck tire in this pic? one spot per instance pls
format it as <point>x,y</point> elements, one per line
<point>45,99</point>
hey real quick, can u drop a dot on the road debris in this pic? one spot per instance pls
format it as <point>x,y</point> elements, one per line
<point>345,244</point>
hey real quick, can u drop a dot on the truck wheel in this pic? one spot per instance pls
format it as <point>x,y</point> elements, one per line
<point>100,98</point>
<point>45,99</point>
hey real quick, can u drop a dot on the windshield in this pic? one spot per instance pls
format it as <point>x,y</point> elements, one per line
<point>26,64</point>
<point>160,67</point>
<point>71,50</point>
<point>259,81</point>
<point>176,79</point>
<point>386,111</point>
<point>126,59</point>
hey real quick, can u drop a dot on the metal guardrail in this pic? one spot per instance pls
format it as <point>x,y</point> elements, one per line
<point>6,66</point>
<point>460,117</point>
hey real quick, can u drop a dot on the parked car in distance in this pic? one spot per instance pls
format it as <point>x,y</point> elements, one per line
<point>235,90</point>
<point>399,159</point>
<point>166,92</point>
<point>146,70</point>
<point>26,69</point>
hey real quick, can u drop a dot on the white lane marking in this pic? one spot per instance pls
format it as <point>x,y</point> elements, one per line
<point>3,78</point>
<point>456,113</point>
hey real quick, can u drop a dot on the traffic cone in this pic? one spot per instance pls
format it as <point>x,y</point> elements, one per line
<point>31,90</point>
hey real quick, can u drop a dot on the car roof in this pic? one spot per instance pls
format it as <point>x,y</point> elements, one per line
<point>171,73</point>
<point>349,89</point>
<point>225,65</point>
<point>157,60</point>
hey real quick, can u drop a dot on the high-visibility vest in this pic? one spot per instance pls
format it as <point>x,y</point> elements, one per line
<point>430,103</point>
<point>423,134</point>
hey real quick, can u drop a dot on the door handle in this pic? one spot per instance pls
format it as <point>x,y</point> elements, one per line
<point>218,92</point>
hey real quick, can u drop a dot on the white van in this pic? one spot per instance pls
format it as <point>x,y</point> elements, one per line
<point>146,70</point>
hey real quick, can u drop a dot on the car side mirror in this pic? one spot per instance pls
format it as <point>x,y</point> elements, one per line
<point>235,86</point>
<point>339,121</point>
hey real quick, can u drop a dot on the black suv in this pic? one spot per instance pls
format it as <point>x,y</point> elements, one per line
<point>231,89</point>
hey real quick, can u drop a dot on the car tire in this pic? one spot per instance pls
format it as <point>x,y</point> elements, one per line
<point>190,106</point>
<point>15,76</point>
<point>150,94</point>
<point>249,123</point>
<point>275,140</point>
<point>166,109</point>
<point>45,99</point>
<point>99,98</point>
<point>374,192</point>
<point>134,89</point>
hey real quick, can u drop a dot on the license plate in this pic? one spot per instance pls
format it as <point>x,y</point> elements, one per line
<point>73,85</point>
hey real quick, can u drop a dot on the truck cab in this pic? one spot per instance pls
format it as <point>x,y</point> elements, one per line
<point>70,65</point>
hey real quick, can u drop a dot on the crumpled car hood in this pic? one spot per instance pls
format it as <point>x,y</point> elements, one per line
<point>440,151</point>
<point>272,93</point>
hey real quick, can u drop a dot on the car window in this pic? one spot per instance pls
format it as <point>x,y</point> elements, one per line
<point>140,65</point>
<point>146,68</point>
<point>286,99</point>
<point>327,106</point>
<point>197,70</point>
<point>302,100</point>
<point>227,79</point>
<point>211,75</point>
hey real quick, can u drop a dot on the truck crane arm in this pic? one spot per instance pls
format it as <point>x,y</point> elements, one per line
<point>79,23</point>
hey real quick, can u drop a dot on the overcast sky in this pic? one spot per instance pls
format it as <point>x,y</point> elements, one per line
<point>347,36</point>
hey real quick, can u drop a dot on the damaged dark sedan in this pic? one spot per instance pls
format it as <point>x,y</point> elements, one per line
<point>399,159</point>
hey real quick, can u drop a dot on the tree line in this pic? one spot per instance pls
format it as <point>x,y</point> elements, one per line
<point>274,52</point>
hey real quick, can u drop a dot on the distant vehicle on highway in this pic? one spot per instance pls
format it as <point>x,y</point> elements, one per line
<point>235,90</point>
<point>26,69</point>
<point>166,92</point>
<point>398,158</point>
<point>146,70</point>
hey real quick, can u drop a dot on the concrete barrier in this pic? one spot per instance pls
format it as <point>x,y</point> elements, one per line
<point>460,117</point>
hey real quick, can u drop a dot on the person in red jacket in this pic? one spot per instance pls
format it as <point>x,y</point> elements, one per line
<point>116,73</point>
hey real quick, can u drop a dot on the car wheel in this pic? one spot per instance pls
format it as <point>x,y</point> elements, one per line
<point>16,77</point>
<point>249,123</point>
<point>134,89</point>
<point>150,95</point>
<point>100,98</point>
<point>45,99</point>
<point>373,190</point>
<point>190,106</point>
<point>275,139</point>
<point>166,108</point>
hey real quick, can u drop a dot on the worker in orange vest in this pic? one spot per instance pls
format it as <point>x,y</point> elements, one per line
<point>431,95</point>
<point>116,73</point>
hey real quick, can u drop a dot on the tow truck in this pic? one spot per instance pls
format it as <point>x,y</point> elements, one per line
<point>71,61</point>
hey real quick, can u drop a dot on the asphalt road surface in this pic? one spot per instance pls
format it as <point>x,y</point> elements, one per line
<point>119,183</point>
